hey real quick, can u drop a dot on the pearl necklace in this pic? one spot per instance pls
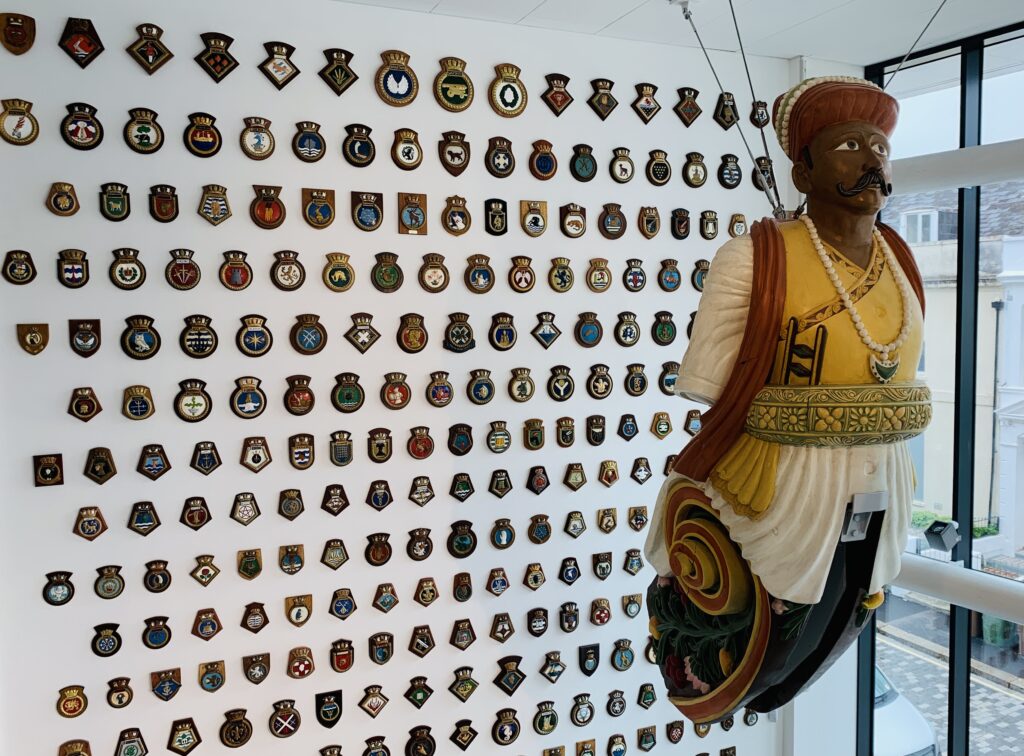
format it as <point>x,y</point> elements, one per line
<point>883,368</point>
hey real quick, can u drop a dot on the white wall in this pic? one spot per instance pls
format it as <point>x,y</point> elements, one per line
<point>43,648</point>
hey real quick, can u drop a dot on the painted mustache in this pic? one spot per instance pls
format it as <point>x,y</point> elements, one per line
<point>872,177</point>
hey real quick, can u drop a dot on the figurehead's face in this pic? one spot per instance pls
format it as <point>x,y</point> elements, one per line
<point>846,165</point>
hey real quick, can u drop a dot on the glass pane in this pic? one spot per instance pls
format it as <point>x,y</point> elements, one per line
<point>1000,93</point>
<point>932,451</point>
<point>929,95</point>
<point>997,686</point>
<point>911,675</point>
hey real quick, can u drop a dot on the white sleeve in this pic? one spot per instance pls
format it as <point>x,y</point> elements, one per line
<point>720,322</point>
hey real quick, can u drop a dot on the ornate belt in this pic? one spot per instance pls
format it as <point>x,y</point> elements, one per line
<point>839,415</point>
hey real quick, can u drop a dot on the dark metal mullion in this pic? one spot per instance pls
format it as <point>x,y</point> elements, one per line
<point>975,39</point>
<point>968,222</point>
<point>866,690</point>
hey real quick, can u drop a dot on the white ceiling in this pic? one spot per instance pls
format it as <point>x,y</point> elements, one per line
<point>857,32</point>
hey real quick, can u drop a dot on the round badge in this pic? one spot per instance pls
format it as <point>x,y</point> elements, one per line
<point>256,140</point>
<point>142,133</point>
<point>80,127</point>
<point>201,137</point>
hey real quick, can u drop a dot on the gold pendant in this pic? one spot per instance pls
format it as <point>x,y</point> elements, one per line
<point>883,370</point>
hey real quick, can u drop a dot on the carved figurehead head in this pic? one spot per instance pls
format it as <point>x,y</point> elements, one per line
<point>836,131</point>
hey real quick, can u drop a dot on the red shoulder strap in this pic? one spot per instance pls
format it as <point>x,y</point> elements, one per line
<point>723,423</point>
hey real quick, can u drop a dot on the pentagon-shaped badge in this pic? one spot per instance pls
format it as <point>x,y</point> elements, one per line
<point>80,41</point>
<point>500,483</point>
<point>460,439</point>
<point>205,459</point>
<point>453,89</point>
<point>358,148</point>
<point>501,627</point>
<point>569,572</point>
<point>725,111</point>
<point>143,518</point>
<point>602,101</point>
<point>609,474</point>
<point>379,495</point>
<point>334,553</point>
<point>215,59</point>
<point>336,73</point>
<point>537,480</point>
<point>628,428</point>
<point>84,404</point>
<point>421,491</point>
<point>395,81</point>
<point>255,453</point>
<point>207,624</point>
<point>145,136</point>
<point>497,581</point>
<point>17,36</point>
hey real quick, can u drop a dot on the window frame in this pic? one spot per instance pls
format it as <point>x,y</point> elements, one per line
<point>971,51</point>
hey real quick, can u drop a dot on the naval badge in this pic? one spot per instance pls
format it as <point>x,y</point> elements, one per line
<point>412,214</point>
<point>19,33</point>
<point>645,105</point>
<point>573,220</point>
<point>287,273</point>
<point>674,731</point>
<point>336,73</point>
<point>84,404</point>
<point>81,41</point>
<point>367,210</point>
<point>599,383</point>
<point>582,710</point>
<point>308,335</point>
<point>595,430</point>
<point>759,116</point>
<point>192,403</point>
<point>634,278</point>
<point>479,275</point>
<point>378,550</point>
<point>255,453</point>
<point>661,424</point>
<point>115,202</point>
<point>628,428</point>
<point>184,736</point>
<point>17,124</point>
<point>455,216</point>
<point>420,444</point>
<point>546,332</point>
<point>439,391</point>
<point>254,338</point>
<point>140,340</point>
<point>347,395</point>
<point>602,101</point>
<point>422,641</point>
<point>622,659</point>
<point>278,66</point>
<point>569,616</point>
<point>560,276</point>
<point>163,208</point>
<point>395,82</point>
<point>533,217</point>
<point>460,439</point>
<point>300,663</point>
<point>503,535</point>
<point>649,221</point>
<point>215,58</point>
<point>458,334</point>
<point>506,727</point>
<point>583,166</point>
<point>588,331</point>
<point>462,540</point>
<point>119,695</point>
<point>201,136</point>
<point>499,160</point>
<point>301,451</point>
<point>419,692</point>
<point>453,151</point>
<point>464,734</point>
<point>611,223</point>
<point>546,720</point>
<point>453,89</point>
<point>502,333</point>
<point>266,209</point>
<point>34,337</point>
<point>405,150</point>
<point>62,199</point>
<point>334,501</point>
<point>631,606</point>
<point>695,173</point>
<point>658,169</point>
<point>560,385</point>
<point>248,400</point>
<point>692,423</point>
<point>507,94</point>
<point>421,492</point>
<point>500,484</point>
<point>358,148</point>
<point>89,523</point>
<point>702,729</point>
<point>106,641</point>
<point>543,163</point>
<point>205,571</point>
<point>461,488</point>
<point>255,668</point>
<point>143,134</point>
<point>213,204</point>
<point>534,577</point>
<point>382,648</point>
<point>609,473</point>
<point>308,143</point>
<point>521,386</point>
<point>148,50</point>
<point>709,224</point>
<point>256,139</point>
<point>156,633</point>
<point>165,684</point>
<point>729,172</point>
<point>509,676</point>
<point>412,336</point>
<point>285,720</point>
<point>19,269</point>
<point>299,398</point>
<point>621,166</point>
<point>362,335</point>
<point>318,207</point>
<point>636,380</point>
<point>737,225</point>
<point>725,111</point>
<point>764,176</point>
<point>81,128</point>
<point>72,702</point>
<point>137,403</point>
<point>236,730</point>
<point>556,95</point>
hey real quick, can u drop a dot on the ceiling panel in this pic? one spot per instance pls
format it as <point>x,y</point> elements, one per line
<point>414,5</point>
<point>506,11</point>
<point>585,16</point>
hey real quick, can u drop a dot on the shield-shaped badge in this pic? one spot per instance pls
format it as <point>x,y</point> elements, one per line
<point>163,203</point>
<point>589,658</point>
<point>729,172</point>
<point>62,199</point>
<point>453,150</point>
<point>19,33</point>
<point>533,217</point>
<point>329,708</point>
<point>33,337</point>
<point>649,222</point>
<point>737,225</point>
<point>709,224</point>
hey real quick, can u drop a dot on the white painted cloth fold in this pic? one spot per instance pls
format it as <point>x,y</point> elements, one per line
<point>791,547</point>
